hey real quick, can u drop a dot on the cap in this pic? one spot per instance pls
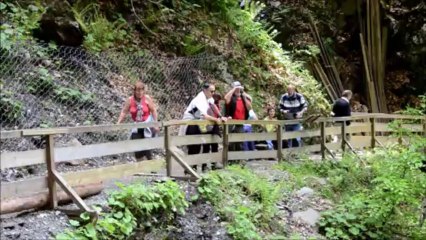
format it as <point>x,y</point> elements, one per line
<point>236,84</point>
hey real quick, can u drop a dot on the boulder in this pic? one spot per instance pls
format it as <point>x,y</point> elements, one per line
<point>310,216</point>
<point>305,192</point>
<point>59,25</point>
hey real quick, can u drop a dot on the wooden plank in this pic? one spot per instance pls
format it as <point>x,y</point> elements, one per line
<point>373,132</point>
<point>323,140</point>
<point>225,150</point>
<point>26,158</point>
<point>105,149</point>
<point>242,137</point>
<point>384,127</point>
<point>279,143</point>
<point>83,129</point>
<point>20,159</point>
<point>68,189</point>
<point>51,168</point>
<point>203,158</point>
<point>195,139</point>
<point>113,172</point>
<point>176,154</point>
<point>30,186</point>
<point>343,136</point>
<point>398,116</point>
<point>167,148</point>
<point>10,134</point>
<point>238,155</point>
<point>23,188</point>
<point>302,134</point>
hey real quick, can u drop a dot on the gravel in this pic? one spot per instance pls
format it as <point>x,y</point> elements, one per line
<point>200,221</point>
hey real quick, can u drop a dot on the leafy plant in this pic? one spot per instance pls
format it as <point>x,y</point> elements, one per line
<point>101,34</point>
<point>10,109</point>
<point>245,200</point>
<point>40,82</point>
<point>131,205</point>
<point>377,197</point>
<point>18,22</point>
<point>70,95</point>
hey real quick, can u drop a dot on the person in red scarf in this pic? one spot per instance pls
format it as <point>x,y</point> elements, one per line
<point>142,109</point>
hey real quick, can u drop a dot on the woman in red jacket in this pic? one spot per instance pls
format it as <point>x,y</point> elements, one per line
<point>142,109</point>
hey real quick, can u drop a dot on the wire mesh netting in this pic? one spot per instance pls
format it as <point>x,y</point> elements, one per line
<point>45,85</point>
<point>49,86</point>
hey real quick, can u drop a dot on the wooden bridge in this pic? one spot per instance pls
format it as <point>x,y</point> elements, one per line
<point>368,130</point>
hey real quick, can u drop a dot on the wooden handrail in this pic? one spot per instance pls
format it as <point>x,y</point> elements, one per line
<point>52,155</point>
<point>127,126</point>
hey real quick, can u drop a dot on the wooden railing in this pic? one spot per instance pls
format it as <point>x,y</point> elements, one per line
<point>176,162</point>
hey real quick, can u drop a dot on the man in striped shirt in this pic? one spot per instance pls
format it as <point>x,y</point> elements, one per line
<point>292,106</point>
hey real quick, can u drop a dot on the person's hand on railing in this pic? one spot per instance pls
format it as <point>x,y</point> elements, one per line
<point>284,111</point>
<point>299,114</point>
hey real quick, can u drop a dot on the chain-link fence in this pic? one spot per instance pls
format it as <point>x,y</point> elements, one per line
<point>54,86</point>
<point>46,86</point>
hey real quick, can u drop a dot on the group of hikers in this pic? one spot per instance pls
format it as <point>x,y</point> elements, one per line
<point>207,105</point>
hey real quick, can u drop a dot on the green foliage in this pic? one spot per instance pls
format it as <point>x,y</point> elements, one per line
<point>101,34</point>
<point>133,204</point>
<point>70,95</point>
<point>10,109</point>
<point>376,197</point>
<point>19,22</point>
<point>245,200</point>
<point>40,82</point>
<point>419,110</point>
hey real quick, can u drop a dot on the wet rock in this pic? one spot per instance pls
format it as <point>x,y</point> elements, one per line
<point>305,192</point>
<point>310,216</point>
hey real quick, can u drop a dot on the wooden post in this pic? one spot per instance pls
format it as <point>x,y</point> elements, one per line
<point>323,140</point>
<point>373,132</point>
<point>51,168</point>
<point>400,134</point>
<point>167,148</point>
<point>225,145</point>
<point>343,137</point>
<point>279,143</point>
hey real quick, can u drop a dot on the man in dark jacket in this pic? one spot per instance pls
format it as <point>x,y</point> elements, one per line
<point>342,108</point>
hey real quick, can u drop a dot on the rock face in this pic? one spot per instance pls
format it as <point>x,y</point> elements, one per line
<point>59,25</point>
<point>310,216</point>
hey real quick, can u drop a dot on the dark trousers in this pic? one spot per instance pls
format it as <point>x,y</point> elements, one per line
<point>210,147</point>
<point>236,146</point>
<point>140,154</point>
<point>193,148</point>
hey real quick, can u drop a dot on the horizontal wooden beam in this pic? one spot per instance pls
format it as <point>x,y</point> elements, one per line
<point>203,158</point>
<point>194,139</point>
<point>32,157</point>
<point>383,127</point>
<point>238,155</point>
<point>241,137</point>
<point>21,159</point>
<point>30,186</point>
<point>83,129</point>
<point>10,134</point>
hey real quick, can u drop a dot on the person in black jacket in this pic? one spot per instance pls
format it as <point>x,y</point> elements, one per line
<point>342,108</point>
